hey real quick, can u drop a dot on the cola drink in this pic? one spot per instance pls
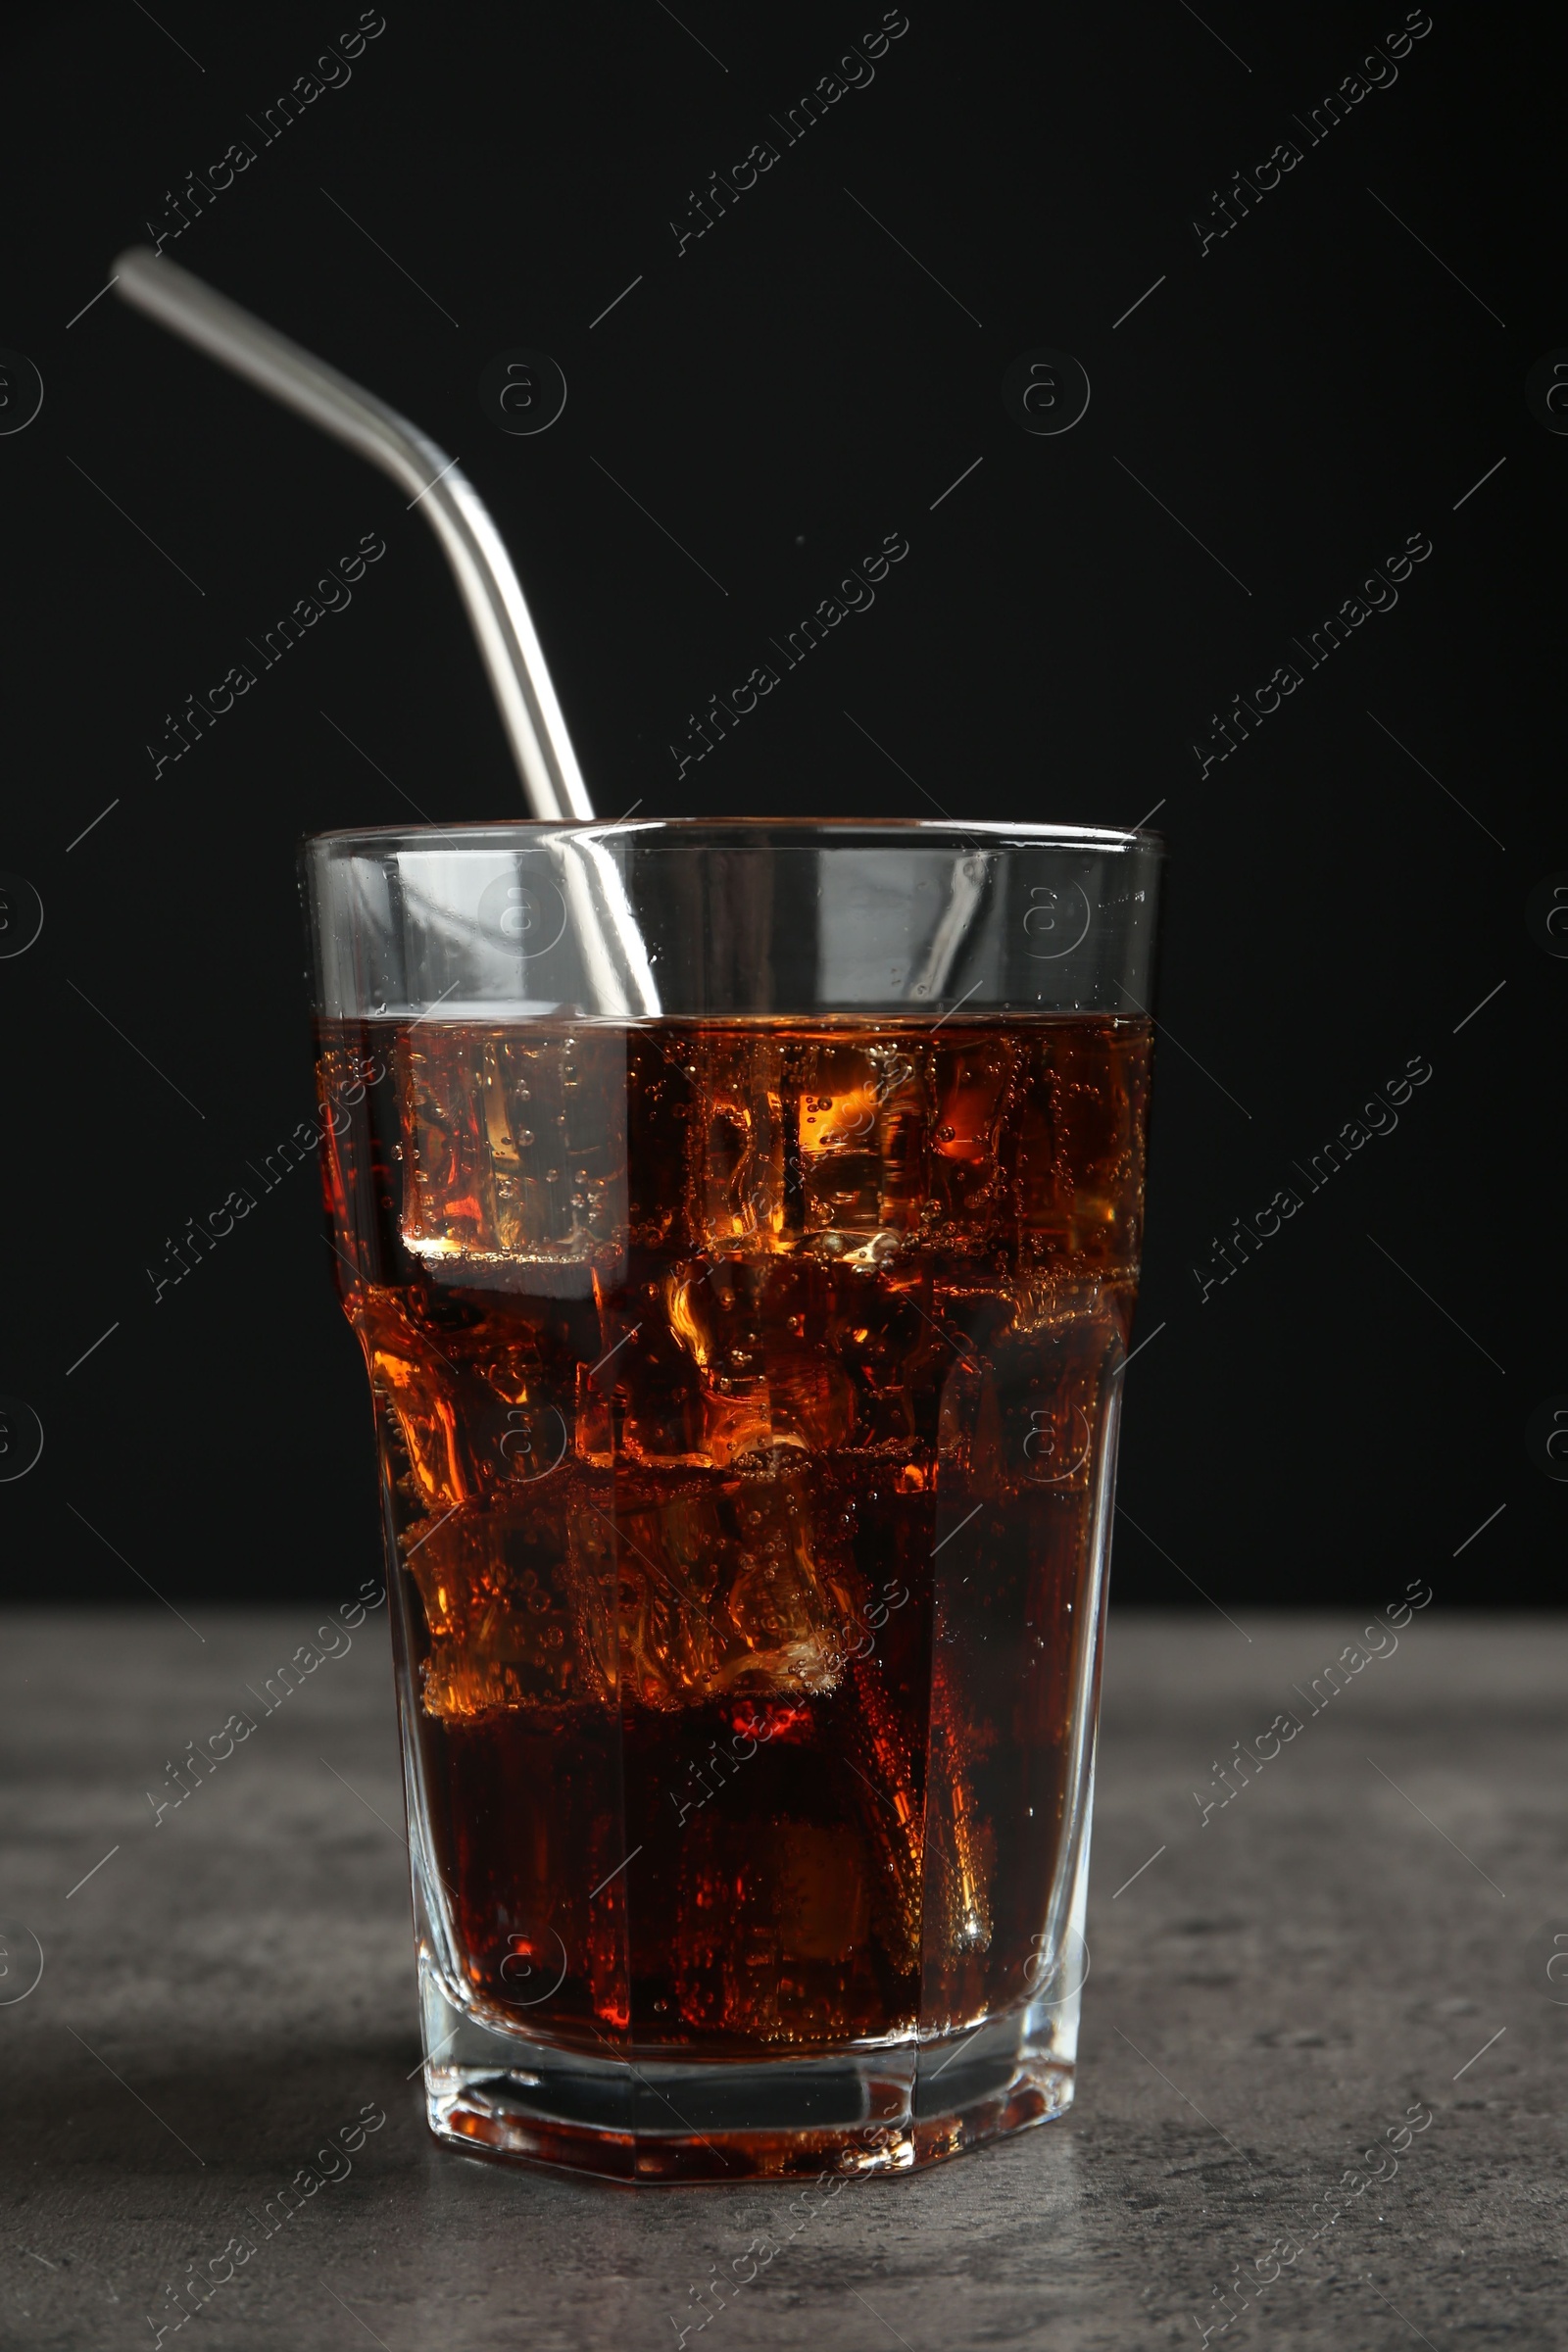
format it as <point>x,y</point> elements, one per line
<point>745,1395</point>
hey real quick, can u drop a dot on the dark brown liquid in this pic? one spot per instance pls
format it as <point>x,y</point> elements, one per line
<point>744,1394</point>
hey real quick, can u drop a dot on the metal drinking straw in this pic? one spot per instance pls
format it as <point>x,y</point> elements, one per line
<point>529,711</point>
<point>531,715</point>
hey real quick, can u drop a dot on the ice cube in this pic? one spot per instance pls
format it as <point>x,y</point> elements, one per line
<point>475,1409</point>
<point>708,1321</point>
<point>737,1134</point>
<point>519,1602</point>
<point>763,1358</point>
<point>416,1398</point>
<point>975,1083</point>
<point>514,1154</point>
<point>728,1586</point>
<point>863,1136</point>
<point>818,1142</point>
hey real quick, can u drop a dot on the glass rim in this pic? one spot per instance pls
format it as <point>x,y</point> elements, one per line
<point>993,832</point>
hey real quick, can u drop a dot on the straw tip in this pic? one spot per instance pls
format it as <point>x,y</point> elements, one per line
<point>132,264</point>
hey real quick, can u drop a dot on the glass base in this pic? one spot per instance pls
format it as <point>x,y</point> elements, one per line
<point>649,2118</point>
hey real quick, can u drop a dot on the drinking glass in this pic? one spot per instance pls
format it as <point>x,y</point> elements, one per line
<point>740,1224</point>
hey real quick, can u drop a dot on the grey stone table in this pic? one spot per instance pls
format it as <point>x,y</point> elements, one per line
<point>1359,1936</point>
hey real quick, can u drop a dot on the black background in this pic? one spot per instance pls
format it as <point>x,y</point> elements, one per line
<point>1306,394</point>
